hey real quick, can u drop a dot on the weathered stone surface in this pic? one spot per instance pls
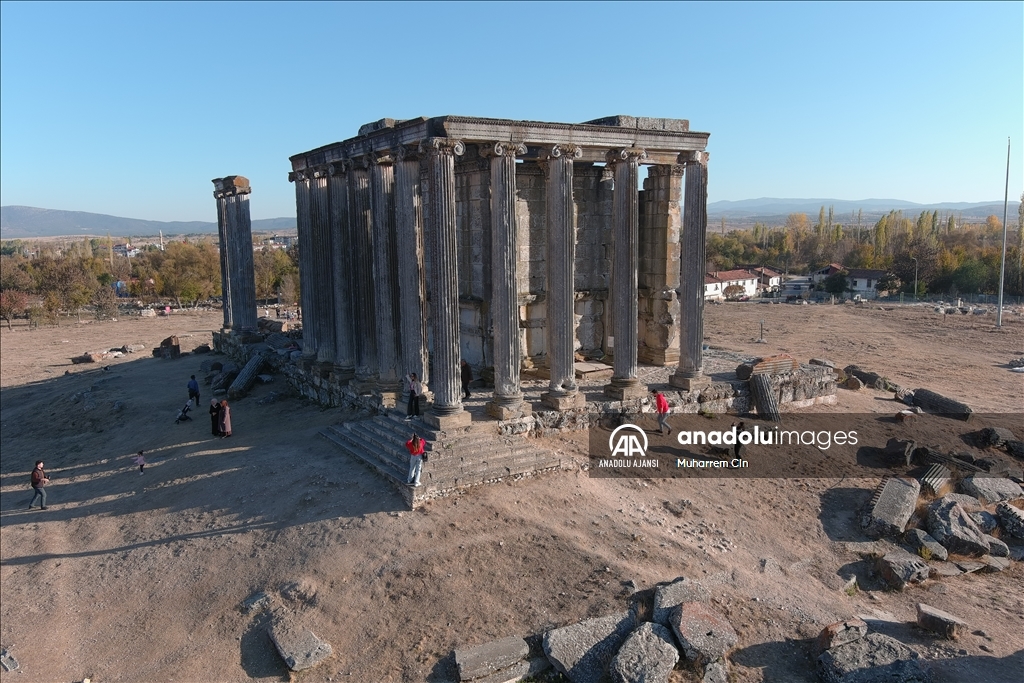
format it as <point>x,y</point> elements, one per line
<point>853,383</point>
<point>986,521</point>
<point>935,620</point>
<point>518,672</point>
<point>997,436</point>
<point>667,598</point>
<point>992,489</point>
<point>769,365</point>
<point>891,507</point>
<point>704,634</point>
<point>953,528</point>
<point>715,672</point>
<point>936,403</point>
<point>822,361</point>
<point>840,633</point>
<point>944,569</point>
<point>583,651</point>
<point>995,564</point>
<point>648,655</point>
<point>255,602</point>
<point>898,568</point>
<point>1011,519</point>
<point>299,647</point>
<point>899,452</point>
<point>968,503</point>
<point>481,660</point>
<point>875,658</point>
<point>996,548</point>
<point>919,538</point>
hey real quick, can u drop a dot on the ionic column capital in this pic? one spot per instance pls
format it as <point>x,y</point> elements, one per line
<point>381,157</point>
<point>408,153</point>
<point>443,147</point>
<point>501,149</point>
<point>339,167</point>
<point>320,171</point>
<point>568,152</point>
<point>626,155</point>
<point>230,186</point>
<point>298,176</point>
<point>695,157</point>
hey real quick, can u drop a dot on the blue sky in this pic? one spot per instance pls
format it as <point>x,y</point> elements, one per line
<point>130,109</point>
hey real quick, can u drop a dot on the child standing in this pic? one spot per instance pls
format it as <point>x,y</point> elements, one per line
<point>140,460</point>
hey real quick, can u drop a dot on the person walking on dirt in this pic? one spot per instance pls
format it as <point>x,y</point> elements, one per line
<point>661,404</point>
<point>415,391</point>
<point>140,460</point>
<point>39,482</point>
<point>467,377</point>
<point>215,417</point>
<point>416,458</point>
<point>193,390</point>
<point>225,420</point>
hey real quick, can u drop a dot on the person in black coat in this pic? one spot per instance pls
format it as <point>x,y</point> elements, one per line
<point>215,417</point>
<point>467,377</point>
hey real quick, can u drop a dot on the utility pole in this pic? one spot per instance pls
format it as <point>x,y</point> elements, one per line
<point>914,259</point>
<point>1002,260</point>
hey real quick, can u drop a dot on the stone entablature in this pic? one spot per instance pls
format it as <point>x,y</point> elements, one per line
<point>497,241</point>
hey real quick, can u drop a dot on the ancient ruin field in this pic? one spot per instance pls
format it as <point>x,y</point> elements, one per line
<point>138,578</point>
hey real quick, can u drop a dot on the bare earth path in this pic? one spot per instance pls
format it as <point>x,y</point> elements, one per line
<point>131,577</point>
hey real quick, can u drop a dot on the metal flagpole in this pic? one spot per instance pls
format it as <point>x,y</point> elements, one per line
<point>1002,263</point>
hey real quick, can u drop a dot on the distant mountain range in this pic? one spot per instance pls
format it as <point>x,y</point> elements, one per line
<point>769,208</point>
<point>26,222</point>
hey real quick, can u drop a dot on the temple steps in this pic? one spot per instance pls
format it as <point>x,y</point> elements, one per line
<point>473,455</point>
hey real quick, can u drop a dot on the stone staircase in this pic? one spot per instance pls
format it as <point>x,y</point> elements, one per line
<point>457,459</point>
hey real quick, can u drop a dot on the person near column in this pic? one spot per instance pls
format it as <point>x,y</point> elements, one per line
<point>39,482</point>
<point>193,390</point>
<point>661,404</point>
<point>215,417</point>
<point>224,419</point>
<point>467,377</point>
<point>416,458</point>
<point>415,391</point>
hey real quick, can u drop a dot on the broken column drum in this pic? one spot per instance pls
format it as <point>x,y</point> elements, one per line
<point>238,279</point>
<point>533,255</point>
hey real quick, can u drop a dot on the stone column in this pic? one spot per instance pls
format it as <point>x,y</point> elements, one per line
<point>341,269</point>
<point>322,300</point>
<point>232,195</point>
<point>690,374</point>
<point>365,327</point>
<point>411,286</point>
<point>626,223</point>
<point>447,411</point>
<point>507,402</point>
<point>307,280</point>
<point>225,280</point>
<point>659,265</point>
<point>563,392</point>
<point>385,285</point>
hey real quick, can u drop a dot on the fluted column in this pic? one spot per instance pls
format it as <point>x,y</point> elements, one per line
<point>323,254</point>
<point>382,196</point>
<point>232,195</point>
<point>341,269</point>
<point>563,392</point>
<point>225,279</point>
<point>362,260</point>
<point>507,402</point>
<point>307,279</point>
<point>411,285</point>
<point>447,411</point>
<point>625,228</point>
<point>690,374</point>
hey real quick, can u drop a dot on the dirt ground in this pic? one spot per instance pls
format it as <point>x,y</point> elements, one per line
<point>138,578</point>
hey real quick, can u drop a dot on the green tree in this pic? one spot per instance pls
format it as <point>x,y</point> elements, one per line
<point>837,283</point>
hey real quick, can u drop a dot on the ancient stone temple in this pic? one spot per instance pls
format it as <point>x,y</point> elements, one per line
<point>508,244</point>
<point>238,280</point>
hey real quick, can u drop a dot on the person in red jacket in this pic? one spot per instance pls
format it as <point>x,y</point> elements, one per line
<point>416,457</point>
<point>661,403</point>
<point>39,482</point>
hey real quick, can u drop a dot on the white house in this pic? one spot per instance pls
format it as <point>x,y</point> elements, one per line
<point>713,288</point>
<point>729,278</point>
<point>768,279</point>
<point>864,281</point>
<point>820,276</point>
<point>797,286</point>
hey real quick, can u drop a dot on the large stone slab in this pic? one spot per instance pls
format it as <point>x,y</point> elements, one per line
<point>891,507</point>
<point>937,621</point>
<point>1011,519</point>
<point>704,634</point>
<point>898,568</point>
<point>951,526</point>
<point>667,598</point>
<point>648,656</point>
<point>520,671</point>
<point>992,489</point>
<point>482,660</point>
<point>875,658</point>
<point>583,651</point>
<point>840,633</point>
<point>298,646</point>
<point>919,538</point>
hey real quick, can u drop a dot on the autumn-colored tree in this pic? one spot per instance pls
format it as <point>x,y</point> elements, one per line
<point>12,304</point>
